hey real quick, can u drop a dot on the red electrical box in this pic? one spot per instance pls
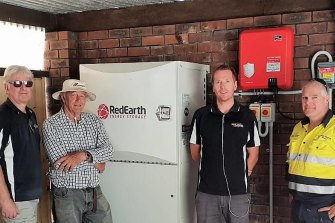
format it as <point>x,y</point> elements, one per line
<point>266,58</point>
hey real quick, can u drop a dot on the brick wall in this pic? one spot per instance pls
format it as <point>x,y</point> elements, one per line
<point>211,42</point>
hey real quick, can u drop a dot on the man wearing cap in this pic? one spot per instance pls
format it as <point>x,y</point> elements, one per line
<point>20,166</point>
<point>77,146</point>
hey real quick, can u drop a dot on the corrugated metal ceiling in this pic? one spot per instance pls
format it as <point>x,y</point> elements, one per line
<point>66,6</point>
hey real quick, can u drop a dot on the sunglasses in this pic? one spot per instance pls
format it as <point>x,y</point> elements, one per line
<point>20,83</point>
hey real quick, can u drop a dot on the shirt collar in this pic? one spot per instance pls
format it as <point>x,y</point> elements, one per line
<point>11,105</point>
<point>234,108</point>
<point>65,117</point>
<point>324,122</point>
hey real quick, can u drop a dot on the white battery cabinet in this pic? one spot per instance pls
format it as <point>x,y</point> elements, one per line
<point>147,109</point>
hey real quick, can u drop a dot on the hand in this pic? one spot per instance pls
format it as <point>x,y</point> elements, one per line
<point>100,166</point>
<point>290,198</point>
<point>70,161</point>
<point>330,210</point>
<point>9,209</point>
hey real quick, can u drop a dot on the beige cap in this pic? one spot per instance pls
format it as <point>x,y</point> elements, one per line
<point>74,85</point>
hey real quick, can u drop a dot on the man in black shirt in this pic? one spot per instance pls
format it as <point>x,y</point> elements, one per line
<point>20,166</point>
<point>225,140</point>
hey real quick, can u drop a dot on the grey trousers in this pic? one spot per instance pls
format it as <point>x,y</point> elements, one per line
<point>222,209</point>
<point>80,206</point>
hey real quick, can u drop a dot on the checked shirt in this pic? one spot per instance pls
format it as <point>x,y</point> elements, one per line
<point>62,136</point>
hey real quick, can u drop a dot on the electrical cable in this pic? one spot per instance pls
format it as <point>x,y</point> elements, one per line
<point>226,179</point>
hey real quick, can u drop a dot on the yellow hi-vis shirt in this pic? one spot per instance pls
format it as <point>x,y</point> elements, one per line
<point>311,157</point>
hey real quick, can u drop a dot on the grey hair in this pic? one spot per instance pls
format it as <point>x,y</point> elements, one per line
<point>16,69</point>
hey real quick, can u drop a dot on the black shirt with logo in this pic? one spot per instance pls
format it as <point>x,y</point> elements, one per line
<point>20,152</point>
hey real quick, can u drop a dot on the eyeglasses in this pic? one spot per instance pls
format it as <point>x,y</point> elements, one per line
<point>19,83</point>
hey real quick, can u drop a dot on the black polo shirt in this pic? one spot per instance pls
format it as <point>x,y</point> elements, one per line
<point>20,152</point>
<point>224,139</point>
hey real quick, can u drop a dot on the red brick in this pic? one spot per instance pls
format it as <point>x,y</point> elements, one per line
<point>328,38</point>
<point>326,15</point>
<point>152,58</point>
<point>301,40</point>
<point>226,35</point>
<point>331,27</point>
<point>240,23</point>
<point>67,35</point>
<point>231,45</point>
<point>185,49</point>
<point>296,18</point>
<point>46,45</point>
<point>331,49</point>
<point>54,73</point>
<point>170,39</point>
<point>225,56</point>
<point>130,59</point>
<point>51,54</point>
<point>164,30</point>
<point>67,54</point>
<point>161,50</point>
<point>110,60</point>
<point>182,38</point>
<point>65,72</point>
<point>59,44</point>
<point>118,33</point>
<point>92,44</point>
<point>59,63</point>
<point>89,61</point>
<point>138,51</point>
<point>311,28</point>
<point>46,64</point>
<point>103,53</point>
<point>97,35</point>
<point>82,53</point>
<point>82,36</point>
<point>152,40</point>
<point>188,28</point>
<point>306,51</point>
<point>51,36</point>
<point>135,41</point>
<point>142,31</point>
<point>203,58</point>
<point>210,47</point>
<point>271,20</point>
<point>93,54</point>
<point>302,74</point>
<point>301,63</point>
<point>117,52</point>
<point>213,25</point>
<point>109,43</point>
<point>200,37</point>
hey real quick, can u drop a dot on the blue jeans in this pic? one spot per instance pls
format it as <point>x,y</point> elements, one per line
<point>302,214</point>
<point>220,209</point>
<point>80,205</point>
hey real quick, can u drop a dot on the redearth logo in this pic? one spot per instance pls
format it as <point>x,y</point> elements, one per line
<point>123,111</point>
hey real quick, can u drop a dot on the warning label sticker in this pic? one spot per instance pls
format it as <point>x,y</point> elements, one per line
<point>273,64</point>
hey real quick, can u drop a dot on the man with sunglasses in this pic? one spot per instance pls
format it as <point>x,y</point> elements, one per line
<point>20,166</point>
<point>311,158</point>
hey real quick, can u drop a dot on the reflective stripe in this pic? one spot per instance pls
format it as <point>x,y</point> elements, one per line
<point>9,159</point>
<point>308,158</point>
<point>311,188</point>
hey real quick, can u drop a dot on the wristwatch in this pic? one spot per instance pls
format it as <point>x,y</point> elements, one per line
<point>88,157</point>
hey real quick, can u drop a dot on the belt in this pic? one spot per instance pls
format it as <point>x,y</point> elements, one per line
<point>94,198</point>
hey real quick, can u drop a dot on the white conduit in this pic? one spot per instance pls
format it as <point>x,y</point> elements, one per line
<point>268,129</point>
<point>241,93</point>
